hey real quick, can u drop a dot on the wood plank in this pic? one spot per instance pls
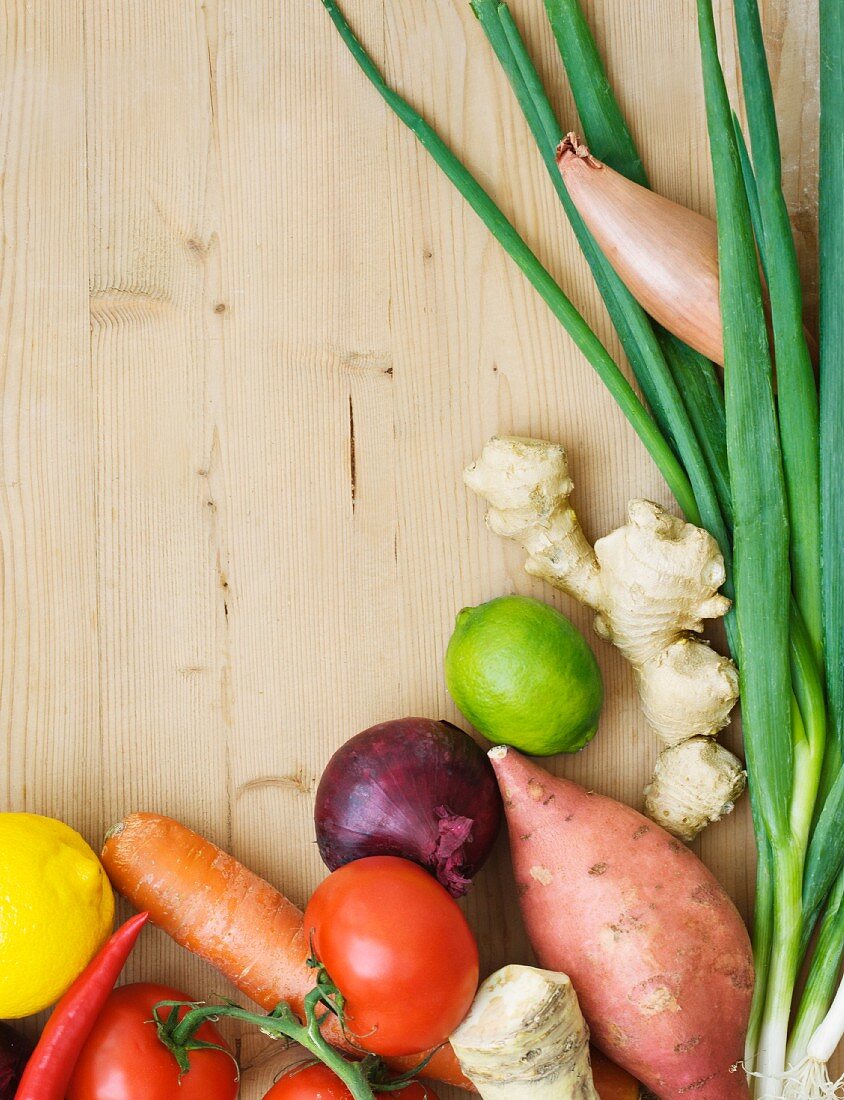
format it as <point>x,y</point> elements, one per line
<point>249,337</point>
<point>152,241</point>
<point>49,695</point>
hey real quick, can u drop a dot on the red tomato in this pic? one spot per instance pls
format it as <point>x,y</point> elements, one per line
<point>124,1060</point>
<point>320,1083</point>
<point>399,950</point>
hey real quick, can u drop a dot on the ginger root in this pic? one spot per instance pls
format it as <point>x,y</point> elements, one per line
<point>651,583</point>
<point>693,782</point>
<point>525,1038</point>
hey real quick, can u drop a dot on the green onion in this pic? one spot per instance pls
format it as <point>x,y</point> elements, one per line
<point>760,519</point>
<point>609,138</point>
<point>752,190</point>
<point>632,324</point>
<point>697,380</point>
<point>761,550</point>
<point>607,133</point>
<point>832,352</point>
<point>826,850</point>
<point>823,976</point>
<point>797,396</point>
<point>825,859</point>
<point>540,278</point>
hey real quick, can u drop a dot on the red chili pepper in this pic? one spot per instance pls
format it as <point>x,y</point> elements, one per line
<point>51,1066</point>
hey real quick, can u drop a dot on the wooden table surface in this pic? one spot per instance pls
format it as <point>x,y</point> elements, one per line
<point>249,337</point>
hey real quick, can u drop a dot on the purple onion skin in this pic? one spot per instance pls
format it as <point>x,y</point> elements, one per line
<point>415,788</point>
<point>14,1054</point>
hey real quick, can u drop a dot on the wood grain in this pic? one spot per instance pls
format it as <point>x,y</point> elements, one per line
<point>249,337</point>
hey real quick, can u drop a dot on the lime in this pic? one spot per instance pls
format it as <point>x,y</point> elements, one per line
<point>524,676</point>
<point>56,909</point>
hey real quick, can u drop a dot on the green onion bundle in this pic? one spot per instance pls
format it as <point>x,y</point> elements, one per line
<point>758,466</point>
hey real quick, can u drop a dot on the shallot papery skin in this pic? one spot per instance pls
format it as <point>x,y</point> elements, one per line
<point>665,254</point>
<point>415,788</point>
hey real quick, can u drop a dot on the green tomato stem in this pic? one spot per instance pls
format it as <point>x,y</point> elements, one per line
<point>282,1022</point>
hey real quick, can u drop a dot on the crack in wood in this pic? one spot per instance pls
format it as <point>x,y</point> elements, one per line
<point>352,456</point>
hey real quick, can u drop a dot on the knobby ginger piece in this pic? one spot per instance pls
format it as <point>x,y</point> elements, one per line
<point>693,784</point>
<point>652,584</point>
<point>525,1038</point>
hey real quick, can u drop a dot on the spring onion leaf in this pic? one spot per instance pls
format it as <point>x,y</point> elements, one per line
<point>541,279</point>
<point>752,190</point>
<point>825,858</point>
<point>609,137</point>
<point>832,352</point>
<point>797,397</point>
<point>826,847</point>
<point>761,555</point>
<point>760,523</point>
<point>823,975</point>
<point>697,380</point>
<point>607,133</point>
<point>632,324</point>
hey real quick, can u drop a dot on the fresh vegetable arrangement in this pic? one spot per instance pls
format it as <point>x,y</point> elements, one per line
<point>652,584</point>
<point>48,1070</point>
<point>640,950</point>
<point>215,907</point>
<point>750,463</point>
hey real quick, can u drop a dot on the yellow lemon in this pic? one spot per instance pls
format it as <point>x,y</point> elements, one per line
<point>56,909</point>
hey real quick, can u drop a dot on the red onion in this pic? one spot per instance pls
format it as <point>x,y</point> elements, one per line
<point>414,788</point>
<point>14,1054</point>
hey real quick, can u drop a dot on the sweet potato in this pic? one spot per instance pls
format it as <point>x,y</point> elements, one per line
<point>657,952</point>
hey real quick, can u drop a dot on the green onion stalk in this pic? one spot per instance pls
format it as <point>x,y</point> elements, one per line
<point>819,1024</point>
<point>541,279</point>
<point>755,465</point>
<point>773,732</point>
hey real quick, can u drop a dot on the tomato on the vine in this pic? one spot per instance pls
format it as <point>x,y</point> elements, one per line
<point>400,951</point>
<point>123,1058</point>
<point>318,1082</point>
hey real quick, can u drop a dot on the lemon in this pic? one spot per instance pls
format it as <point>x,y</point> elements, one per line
<point>524,676</point>
<point>56,909</point>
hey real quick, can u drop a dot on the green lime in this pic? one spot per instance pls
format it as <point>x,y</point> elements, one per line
<point>524,676</point>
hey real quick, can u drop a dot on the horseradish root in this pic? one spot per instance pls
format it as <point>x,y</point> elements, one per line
<point>525,1038</point>
<point>651,583</point>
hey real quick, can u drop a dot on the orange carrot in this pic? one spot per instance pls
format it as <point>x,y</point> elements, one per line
<point>224,913</point>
